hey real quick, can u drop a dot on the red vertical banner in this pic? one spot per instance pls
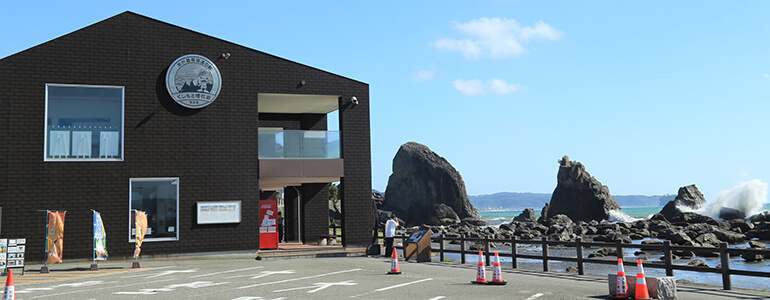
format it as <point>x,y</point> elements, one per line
<point>268,224</point>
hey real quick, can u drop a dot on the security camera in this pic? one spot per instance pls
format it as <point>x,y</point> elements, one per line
<point>354,100</point>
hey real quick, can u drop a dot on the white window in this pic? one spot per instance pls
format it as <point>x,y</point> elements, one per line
<point>159,198</point>
<point>83,123</point>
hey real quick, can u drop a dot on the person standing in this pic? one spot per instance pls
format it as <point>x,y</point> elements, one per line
<point>390,232</point>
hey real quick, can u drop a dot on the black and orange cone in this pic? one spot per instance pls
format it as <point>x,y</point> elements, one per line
<point>641,282</point>
<point>394,270</point>
<point>481,272</point>
<point>10,293</point>
<point>621,287</point>
<point>497,275</point>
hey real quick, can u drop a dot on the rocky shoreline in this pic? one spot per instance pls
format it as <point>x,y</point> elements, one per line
<point>426,192</point>
<point>686,229</point>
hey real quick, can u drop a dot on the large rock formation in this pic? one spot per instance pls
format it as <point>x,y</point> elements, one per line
<point>425,189</point>
<point>579,195</point>
<point>689,197</point>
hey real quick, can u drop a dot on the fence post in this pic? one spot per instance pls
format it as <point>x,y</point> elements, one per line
<point>462,249</point>
<point>514,252</point>
<point>545,253</point>
<point>725,257</point>
<point>486,249</point>
<point>441,247</point>
<point>619,248</point>
<point>667,258</point>
<point>403,244</point>
<point>579,250</point>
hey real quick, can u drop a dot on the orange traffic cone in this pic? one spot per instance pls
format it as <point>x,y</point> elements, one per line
<point>10,293</point>
<point>621,287</point>
<point>497,276</point>
<point>641,282</point>
<point>394,265</point>
<point>481,272</point>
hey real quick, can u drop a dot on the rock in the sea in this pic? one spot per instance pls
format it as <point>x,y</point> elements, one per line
<point>423,185</point>
<point>728,236</point>
<point>698,263</point>
<point>579,195</point>
<point>761,217</point>
<point>727,213</point>
<point>377,198</point>
<point>528,215</point>
<point>688,196</point>
<point>757,245</point>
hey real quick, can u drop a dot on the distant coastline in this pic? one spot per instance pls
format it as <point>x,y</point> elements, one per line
<point>518,201</point>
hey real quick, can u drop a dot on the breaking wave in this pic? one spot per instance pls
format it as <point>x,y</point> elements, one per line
<point>620,216</point>
<point>747,197</point>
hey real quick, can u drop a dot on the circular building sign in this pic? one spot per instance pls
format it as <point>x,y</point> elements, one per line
<point>193,81</point>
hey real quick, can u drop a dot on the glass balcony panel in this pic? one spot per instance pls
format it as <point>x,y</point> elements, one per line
<point>299,144</point>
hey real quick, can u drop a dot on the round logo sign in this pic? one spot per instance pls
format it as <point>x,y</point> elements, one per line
<point>193,81</point>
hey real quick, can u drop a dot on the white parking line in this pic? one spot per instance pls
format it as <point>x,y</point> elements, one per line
<point>437,298</point>
<point>164,273</point>
<point>142,270</point>
<point>224,272</point>
<point>263,274</point>
<point>318,286</point>
<point>392,287</point>
<point>403,284</point>
<point>96,289</point>
<point>295,279</point>
<point>535,296</point>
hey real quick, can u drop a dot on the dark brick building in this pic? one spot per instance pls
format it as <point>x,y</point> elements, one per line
<point>87,122</point>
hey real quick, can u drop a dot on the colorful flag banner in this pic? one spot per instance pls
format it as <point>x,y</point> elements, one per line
<point>141,229</point>
<point>55,238</point>
<point>100,238</point>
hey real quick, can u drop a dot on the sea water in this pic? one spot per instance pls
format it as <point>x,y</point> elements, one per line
<point>748,197</point>
<point>629,214</point>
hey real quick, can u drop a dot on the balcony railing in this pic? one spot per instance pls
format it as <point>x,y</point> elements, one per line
<point>299,144</point>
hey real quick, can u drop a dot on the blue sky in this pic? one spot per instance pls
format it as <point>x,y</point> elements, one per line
<point>649,95</point>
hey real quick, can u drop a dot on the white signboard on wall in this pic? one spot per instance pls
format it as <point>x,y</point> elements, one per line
<point>219,212</point>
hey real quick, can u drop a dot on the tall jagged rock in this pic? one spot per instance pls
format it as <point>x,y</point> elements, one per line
<point>688,196</point>
<point>579,195</point>
<point>425,189</point>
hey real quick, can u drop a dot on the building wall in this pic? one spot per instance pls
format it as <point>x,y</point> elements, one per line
<point>212,150</point>
<point>356,187</point>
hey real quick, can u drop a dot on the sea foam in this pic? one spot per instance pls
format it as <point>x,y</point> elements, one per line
<point>747,197</point>
<point>620,216</point>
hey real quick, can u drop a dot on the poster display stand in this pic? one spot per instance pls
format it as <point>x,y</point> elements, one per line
<point>12,254</point>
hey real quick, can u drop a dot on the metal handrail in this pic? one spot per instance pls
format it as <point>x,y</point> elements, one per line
<point>666,247</point>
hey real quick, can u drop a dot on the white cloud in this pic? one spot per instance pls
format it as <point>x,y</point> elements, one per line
<point>496,38</point>
<point>473,87</point>
<point>767,76</point>
<point>424,75</point>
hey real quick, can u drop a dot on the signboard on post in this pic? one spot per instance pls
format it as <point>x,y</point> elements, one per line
<point>268,224</point>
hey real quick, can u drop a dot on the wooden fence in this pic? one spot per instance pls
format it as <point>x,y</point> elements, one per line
<point>723,251</point>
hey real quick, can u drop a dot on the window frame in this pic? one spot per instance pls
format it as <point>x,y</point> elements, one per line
<point>131,238</point>
<point>122,125</point>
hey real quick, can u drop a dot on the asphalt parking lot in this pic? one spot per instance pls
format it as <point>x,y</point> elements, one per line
<point>314,278</point>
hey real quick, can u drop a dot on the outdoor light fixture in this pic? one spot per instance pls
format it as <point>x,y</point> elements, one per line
<point>301,84</point>
<point>226,55</point>
<point>354,100</point>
